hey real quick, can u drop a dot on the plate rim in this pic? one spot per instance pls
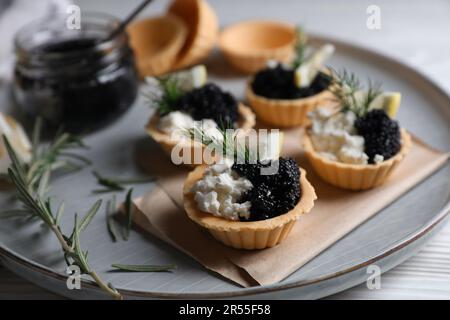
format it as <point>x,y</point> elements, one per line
<point>439,217</point>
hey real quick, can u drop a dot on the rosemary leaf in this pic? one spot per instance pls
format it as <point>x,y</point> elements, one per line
<point>143,268</point>
<point>117,184</point>
<point>110,210</point>
<point>59,213</point>
<point>129,213</point>
<point>14,213</point>
<point>77,157</point>
<point>43,184</point>
<point>110,184</point>
<point>300,47</point>
<point>89,215</point>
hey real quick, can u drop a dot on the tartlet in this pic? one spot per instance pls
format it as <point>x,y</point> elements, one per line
<point>246,122</point>
<point>285,112</point>
<point>355,176</point>
<point>184,101</point>
<point>252,234</point>
<point>203,29</point>
<point>357,144</point>
<point>249,45</point>
<point>283,94</point>
<point>156,43</point>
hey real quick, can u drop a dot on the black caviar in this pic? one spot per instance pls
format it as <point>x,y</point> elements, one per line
<point>279,83</point>
<point>73,79</point>
<point>209,102</point>
<point>271,195</point>
<point>381,134</point>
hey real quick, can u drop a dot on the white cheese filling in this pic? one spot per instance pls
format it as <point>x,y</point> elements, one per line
<point>334,137</point>
<point>176,122</point>
<point>219,191</point>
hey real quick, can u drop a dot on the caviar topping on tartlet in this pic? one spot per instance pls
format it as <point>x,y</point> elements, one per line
<point>357,145</point>
<point>248,202</point>
<point>184,99</point>
<point>283,94</point>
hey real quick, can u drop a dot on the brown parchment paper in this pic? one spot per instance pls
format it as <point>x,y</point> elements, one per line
<point>336,213</point>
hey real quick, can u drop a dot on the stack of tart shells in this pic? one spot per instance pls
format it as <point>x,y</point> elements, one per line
<point>181,38</point>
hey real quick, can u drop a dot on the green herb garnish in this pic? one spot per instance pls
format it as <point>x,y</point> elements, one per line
<point>129,211</point>
<point>227,143</point>
<point>300,48</point>
<point>110,210</point>
<point>111,184</point>
<point>50,157</point>
<point>143,268</point>
<point>31,194</point>
<point>349,94</point>
<point>164,96</point>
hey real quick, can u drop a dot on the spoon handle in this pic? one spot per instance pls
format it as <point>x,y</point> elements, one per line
<point>127,20</point>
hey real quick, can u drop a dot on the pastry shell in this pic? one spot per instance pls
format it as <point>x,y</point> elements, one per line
<point>247,235</point>
<point>203,28</point>
<point>246,122</point>
<point>354,176</point>
<point>249,45</point>
<point>156,43</point>
<point>286,112</point>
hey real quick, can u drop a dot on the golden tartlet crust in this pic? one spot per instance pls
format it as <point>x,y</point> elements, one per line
<point>286,112</point>
<point>250,44</point>
<point>355,176</point>
<point>203,30</point>
<point>246,122</point>
<point>247,235</point>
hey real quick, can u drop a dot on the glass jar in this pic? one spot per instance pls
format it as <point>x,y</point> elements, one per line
<point>71,78</point>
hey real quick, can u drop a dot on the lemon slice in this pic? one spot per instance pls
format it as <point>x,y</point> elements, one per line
<point>389,102</point>
<point>18,140</point>
<point>192,78</point>
<point>308,70</point>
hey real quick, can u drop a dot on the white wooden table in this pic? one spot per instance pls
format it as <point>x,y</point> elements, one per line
<point>414,31</point>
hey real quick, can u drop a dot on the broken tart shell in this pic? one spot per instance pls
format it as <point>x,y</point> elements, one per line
<point>355,176</point>
<point>247,235</point>
<point>246,122</point>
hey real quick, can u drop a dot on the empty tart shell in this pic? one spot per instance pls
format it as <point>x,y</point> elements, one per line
<point>156,43</point>
<point>286,112</point>
<point>203,27</point>
<point>354,176</point>
<point>247,235</point>
<point>246,122</point>
<point>249,45</point>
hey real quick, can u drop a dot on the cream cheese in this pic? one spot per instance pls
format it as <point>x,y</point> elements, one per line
<point>219,191</point>
<point>174,123</point>
<point>334,136</point>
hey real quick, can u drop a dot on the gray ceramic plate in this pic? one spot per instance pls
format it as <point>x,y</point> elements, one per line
<point>389,238</point>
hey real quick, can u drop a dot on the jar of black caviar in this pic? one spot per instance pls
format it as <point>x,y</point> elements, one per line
<point>70,76</point>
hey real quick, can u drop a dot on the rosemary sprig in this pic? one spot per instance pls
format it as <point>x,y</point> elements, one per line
<point>50,157</point>
<point>348,93</point>
<point>227,143</point>
<point>33,201</point>
<point>143,268</point>
<point>300,47</point>
<point>111,184</point>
